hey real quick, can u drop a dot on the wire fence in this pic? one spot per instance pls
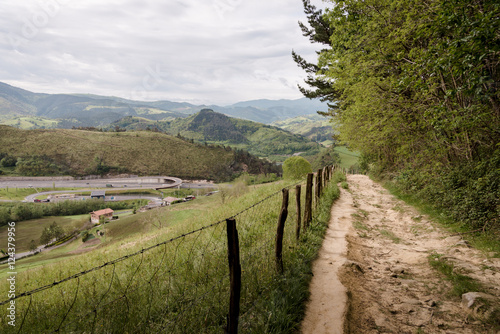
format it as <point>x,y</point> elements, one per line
<point>179,285</point>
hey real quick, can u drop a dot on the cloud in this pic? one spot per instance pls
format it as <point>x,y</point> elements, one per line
<point>218,51</point>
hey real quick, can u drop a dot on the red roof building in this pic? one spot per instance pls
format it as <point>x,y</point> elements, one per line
<point>95,216</point>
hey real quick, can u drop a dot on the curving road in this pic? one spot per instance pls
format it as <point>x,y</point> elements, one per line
<point>153,182</point>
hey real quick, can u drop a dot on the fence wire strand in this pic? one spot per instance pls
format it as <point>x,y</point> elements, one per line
<point>156,278</point>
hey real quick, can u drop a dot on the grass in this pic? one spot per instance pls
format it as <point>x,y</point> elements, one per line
<point>460,283</point>
<point>30,122</point>
<point>347,157</point>
<point>360,226</point>
<point>182,285</point>
<point>18,194</point>
<point>32,230</point>
<point>390,235</point>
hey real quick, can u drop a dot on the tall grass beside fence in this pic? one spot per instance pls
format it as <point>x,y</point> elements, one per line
<point>177,281</point>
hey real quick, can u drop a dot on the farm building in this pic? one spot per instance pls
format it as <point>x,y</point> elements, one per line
<point>95,216</point>
<point>98,194</point>
<point>172,200</point>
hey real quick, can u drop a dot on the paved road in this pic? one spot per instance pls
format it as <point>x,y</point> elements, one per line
<point>31,198</point>
<point>133,182</point>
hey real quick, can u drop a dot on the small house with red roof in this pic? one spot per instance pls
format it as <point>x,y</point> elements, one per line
<point>95,216</point>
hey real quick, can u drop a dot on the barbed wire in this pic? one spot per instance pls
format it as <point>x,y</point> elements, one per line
<point>122,295</point>
<point>75,276</point>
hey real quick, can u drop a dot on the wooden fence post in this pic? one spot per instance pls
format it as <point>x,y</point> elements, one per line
<point>318,186</point>
<point>308,204</point>
<point>233,256</point>
<point>279,232</point>
<point>325,177</point>
<point>297,201</point>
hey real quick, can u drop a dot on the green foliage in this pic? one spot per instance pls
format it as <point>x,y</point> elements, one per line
<point>85,234</point>
<point>54,231</point>
<point>327,157</point>
<point>33,245</point>
<point>417,89</point>
<point>469,192</point>
<point>36,165</point>
<point>8,161</point>
<point>46,236</point>
<point>296,168</point>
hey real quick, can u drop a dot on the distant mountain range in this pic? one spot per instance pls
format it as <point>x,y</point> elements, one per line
<point>25,109</point>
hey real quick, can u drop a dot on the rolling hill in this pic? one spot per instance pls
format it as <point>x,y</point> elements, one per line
<point>80,152</point>
<point>314,127</point>
<point>213,127</point>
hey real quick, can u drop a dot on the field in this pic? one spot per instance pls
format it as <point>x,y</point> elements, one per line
<point>127,226</point>
<point>31,122</point>
<point>180,283</point>
<point>32,229</point>
<point>347,158</point>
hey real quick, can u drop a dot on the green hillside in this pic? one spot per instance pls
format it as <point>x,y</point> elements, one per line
<point>212,127</point>
<point>79,152</point>
<point>314,127</point>
<point>31,122</point>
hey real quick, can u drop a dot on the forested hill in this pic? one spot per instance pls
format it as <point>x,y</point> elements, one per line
<point>212,127</point>
<point>80,152</point>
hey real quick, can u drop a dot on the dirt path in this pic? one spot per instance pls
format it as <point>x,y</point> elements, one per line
<point>384,269</point>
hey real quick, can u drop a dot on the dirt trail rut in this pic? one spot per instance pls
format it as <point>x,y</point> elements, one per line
<point>373,273</point>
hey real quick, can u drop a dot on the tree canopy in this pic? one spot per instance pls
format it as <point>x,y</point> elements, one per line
<point>296,168</point>
<point>415,85</point>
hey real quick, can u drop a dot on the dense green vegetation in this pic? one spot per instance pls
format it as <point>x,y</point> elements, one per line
<point>77,152</point>
<point>417,89</point>
<point>211,127</point>
<point>296,168</point>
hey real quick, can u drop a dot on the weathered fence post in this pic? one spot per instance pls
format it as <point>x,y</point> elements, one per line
<point>297,201</point>
<point>233,256</point>
<point>325,177</point>
<point>308,204</point>
<point>318,186</point>
<point>279,232</point>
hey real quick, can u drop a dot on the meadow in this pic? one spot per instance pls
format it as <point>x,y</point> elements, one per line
<point>347,158</point>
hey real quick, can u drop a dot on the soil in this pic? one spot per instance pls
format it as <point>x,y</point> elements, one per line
<point>373,274</point>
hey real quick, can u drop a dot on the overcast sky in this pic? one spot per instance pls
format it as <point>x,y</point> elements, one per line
<point>198,51</point>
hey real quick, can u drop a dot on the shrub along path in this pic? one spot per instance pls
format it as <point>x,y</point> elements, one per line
<point>389,270</point>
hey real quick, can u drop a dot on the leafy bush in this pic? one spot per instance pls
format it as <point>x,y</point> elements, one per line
<point>296,168</point>
<point>8,161</point>
<point>468,193</point>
